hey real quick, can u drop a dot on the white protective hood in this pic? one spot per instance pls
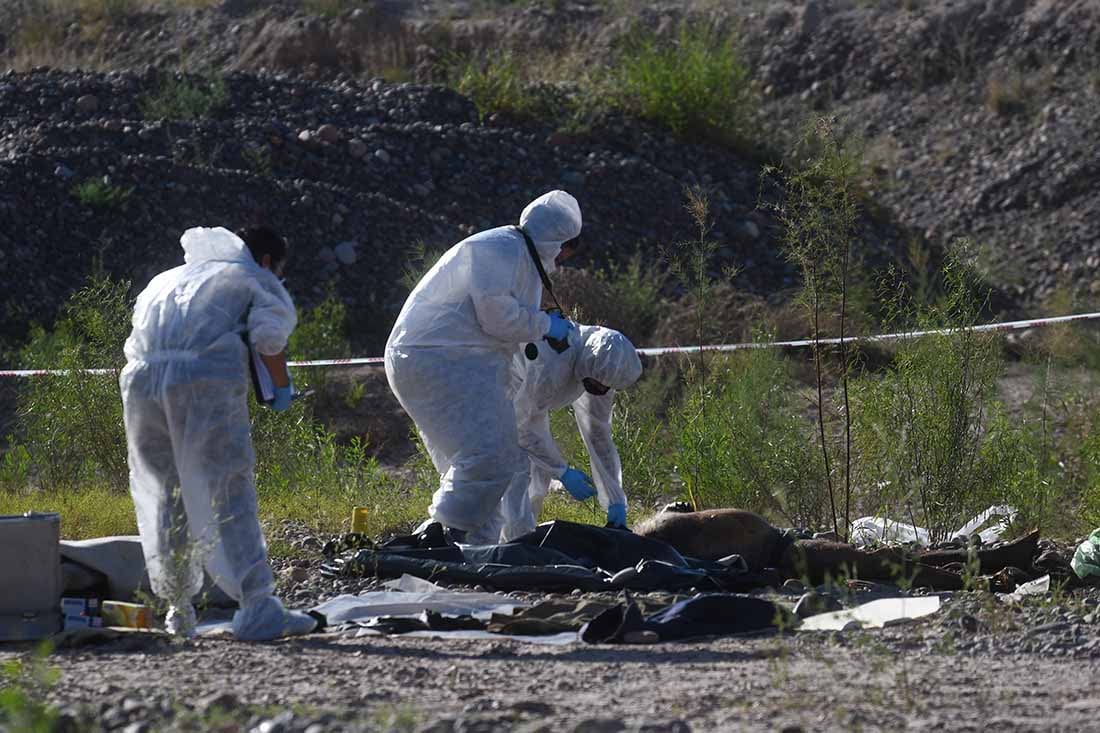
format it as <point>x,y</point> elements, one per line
<point>551,220</point>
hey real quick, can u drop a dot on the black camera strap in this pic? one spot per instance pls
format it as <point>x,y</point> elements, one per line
<point>538,266</point>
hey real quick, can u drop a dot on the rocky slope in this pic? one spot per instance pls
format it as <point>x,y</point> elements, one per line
<point>980,119</point>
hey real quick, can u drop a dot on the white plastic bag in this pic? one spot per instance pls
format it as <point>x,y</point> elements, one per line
<point>871,530</point>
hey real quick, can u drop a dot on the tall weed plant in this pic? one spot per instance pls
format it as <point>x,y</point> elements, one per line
<point>820,210</point>
<point>930,431</point>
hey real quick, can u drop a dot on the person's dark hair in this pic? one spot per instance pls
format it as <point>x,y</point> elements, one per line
<point>262,241</point>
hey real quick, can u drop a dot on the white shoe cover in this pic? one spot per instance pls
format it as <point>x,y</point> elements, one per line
<point>267,619</point>
<point>181,621</point>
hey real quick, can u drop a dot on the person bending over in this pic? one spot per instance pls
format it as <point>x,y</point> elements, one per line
<point>585,376</point>
<point>448,359</point>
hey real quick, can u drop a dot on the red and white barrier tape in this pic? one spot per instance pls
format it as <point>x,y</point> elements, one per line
<point>662,350</point>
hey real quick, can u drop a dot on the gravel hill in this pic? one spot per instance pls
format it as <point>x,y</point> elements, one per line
<point>979,119</point>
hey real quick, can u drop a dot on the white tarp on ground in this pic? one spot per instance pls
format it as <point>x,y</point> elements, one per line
<point>408,597</point>
<point>874,615</point>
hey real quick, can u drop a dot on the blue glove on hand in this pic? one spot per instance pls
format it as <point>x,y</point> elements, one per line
<point>559,327</point>
<point>616,515</point>
<point>578,484</point>
<point>283,396</point>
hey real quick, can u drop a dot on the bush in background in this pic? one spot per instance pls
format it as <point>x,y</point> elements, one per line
<point>181,97</point>
<point>930,434</point>
<point>696,85</point>
<point>70,425</point>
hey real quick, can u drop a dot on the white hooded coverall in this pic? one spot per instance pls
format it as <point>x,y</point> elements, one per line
<point>185,406</point>
<point>448,359</point>
<point>553,381</point>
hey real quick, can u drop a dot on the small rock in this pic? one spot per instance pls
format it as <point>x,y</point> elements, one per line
<point>295,575</point>
<point>573,178</point>
<point>345,253</point>
<point>305,136</point>
<point>599,725</point>
<point>671,726</point>
<point>329,134</point>
<point>138,727</point>
<point>968,623</point>
<point>357,148</point>
<point>87,104</point>
<point>224,700</point>
<point>443,725</point>
<point>750,230</point>
<point>382,156</point>
<point>65,172</point>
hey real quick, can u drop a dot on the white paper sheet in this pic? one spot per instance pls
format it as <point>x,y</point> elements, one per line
<point>874,615</point>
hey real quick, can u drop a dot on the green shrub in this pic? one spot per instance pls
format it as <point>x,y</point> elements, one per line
<point>183,98</point>
<point>696,85</point>
<point>100,194</point>
<point>930,432</point>
<point>321,333</point>
<point>26,682</point>
<point>635,290</point>
<point>500,83</point>
<point>70,425</point>
<point>742,442</point>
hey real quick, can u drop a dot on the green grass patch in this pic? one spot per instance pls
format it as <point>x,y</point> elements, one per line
<point>181,97</point>
<point>696,85</point>
<point>88,511</point>
<point>99,193</point>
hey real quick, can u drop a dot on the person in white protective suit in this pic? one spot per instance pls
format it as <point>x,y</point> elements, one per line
<point>448,359</point>
<point>585,376</point>
<point>185,406</point>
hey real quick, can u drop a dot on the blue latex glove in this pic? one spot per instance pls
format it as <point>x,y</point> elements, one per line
<point>616,515</point>
<point>578,484</point>
<point>283,396</point>
<point>559,327</point>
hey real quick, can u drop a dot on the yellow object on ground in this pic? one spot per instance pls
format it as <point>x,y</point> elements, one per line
<point>359,519</point>
<point>127,615</point>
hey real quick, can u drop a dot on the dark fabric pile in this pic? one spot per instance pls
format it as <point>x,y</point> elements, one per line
<point>556,556</point>
<point>564,556</point>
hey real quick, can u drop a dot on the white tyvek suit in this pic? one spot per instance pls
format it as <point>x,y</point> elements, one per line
<point>553,381</point>
<point>448,358</point>
<point>185,405</point>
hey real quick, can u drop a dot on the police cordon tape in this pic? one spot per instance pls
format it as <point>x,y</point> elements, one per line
<point>663,350</point>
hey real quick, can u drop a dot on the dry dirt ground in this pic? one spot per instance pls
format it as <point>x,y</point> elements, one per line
<point>895,679</point>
